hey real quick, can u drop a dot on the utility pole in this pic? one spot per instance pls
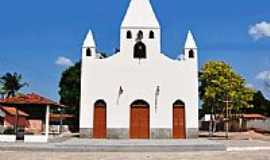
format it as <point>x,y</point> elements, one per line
<point>227,101</point>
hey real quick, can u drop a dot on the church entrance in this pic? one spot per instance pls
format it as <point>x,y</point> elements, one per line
<point>179,131</point>
<point>139,120</point>
<point>99,128</point>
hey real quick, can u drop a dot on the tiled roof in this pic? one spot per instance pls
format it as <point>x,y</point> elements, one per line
<point>29,99</point>
<point>253,116</point>
<point>12,111</point>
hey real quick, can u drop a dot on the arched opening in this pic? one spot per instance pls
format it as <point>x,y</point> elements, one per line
<point>151,35</point>
<point>139,120</point>
<point>129,35</point>
<point>179,103</point>
<point>191,53</point>
<point>139,36</point>
<point>140,50</point>
<point>99,125</point>
<point>88,52</point>
<point>179,128</point>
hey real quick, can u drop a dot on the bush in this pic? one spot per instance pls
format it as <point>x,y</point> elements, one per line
<point>9,131</point>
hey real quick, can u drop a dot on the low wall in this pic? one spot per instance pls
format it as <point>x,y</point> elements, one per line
<point>7,138</point>
<point>35,139</point>
<point>259,124</point>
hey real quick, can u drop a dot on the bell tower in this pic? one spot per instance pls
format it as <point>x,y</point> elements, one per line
<point>89,47</point>
<point>190,50</point>
<point>140,31</point>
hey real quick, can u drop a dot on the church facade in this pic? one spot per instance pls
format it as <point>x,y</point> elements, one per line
<point>139,92</point>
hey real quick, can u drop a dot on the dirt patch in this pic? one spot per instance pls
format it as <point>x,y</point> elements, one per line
<point>249,135</point>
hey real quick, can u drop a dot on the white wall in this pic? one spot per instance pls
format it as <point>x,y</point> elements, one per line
<point>7,138</point>
<point>35,139</point>
<point>126,45</point>
<point>101,79</point>
<point>259,124</point>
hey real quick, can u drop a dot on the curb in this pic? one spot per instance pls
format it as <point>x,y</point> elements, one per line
<point>118,148</point>
<point>233,149</point>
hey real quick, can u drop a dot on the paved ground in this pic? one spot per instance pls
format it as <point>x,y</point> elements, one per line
<point>87,149</point>
<point>90,145</point>
<point>259,155</point>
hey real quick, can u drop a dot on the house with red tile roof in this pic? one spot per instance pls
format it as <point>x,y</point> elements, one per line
<point>30,112</point>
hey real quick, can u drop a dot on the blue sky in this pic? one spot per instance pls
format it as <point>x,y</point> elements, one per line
<point>34,34</point>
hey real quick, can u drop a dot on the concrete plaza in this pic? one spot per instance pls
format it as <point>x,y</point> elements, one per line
<point>90,145</point>
<point>203,155</point>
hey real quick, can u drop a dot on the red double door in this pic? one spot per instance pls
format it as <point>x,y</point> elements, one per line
<point>139,122</point>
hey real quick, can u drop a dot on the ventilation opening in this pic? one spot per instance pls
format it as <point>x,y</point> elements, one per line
<point>139,36</point>
<point>191,53</point>
<point>151,35</point>
<point>88,52</point>
<point>129,35</point>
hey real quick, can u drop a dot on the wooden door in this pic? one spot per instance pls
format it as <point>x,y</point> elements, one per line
<point>179,130</point>
<point>99,129</point>
<point>139,122</point>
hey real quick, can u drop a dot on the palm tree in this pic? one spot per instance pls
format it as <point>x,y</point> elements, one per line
<point>11,84</point>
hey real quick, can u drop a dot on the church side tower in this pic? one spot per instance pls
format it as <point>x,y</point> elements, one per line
<point>191,60</point>
<point>89,47</point>
<point>140,31</point>
<point>190,50</point>
<point>88,56</point>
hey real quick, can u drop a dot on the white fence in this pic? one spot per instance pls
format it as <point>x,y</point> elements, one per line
<point>259,124</point>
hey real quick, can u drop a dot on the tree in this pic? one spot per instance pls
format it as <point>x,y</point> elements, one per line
<point>70,89</point>
<point>69,92</point>
<point>220,83</point>
<point>11,84</point>
<point>260,103</point>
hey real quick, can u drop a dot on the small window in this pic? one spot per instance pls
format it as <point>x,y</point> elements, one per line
<point>191,53</point>
<point>151,35</point>
<point>88,52</point>
<point>129,35</point>
<point>139,36</point>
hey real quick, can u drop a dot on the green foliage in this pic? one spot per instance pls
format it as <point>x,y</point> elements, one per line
<point>11,84</point>
<point>260,103</point>
<point>70,85</point>
<point>218,83</point>
<point>70,89</point>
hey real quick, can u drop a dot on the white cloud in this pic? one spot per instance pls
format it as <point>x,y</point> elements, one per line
<point>63,61</point>
<point>249,85</point>
<point>260,30</point>
<point>264,75</point>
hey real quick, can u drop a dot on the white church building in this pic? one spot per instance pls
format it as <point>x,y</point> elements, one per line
<point>139,92</point>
